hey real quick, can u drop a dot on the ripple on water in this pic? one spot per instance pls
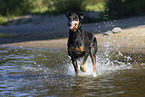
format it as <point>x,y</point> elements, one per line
<point>49,72</point>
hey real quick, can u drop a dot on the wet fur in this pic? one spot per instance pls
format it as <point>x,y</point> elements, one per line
<point>81,44</point>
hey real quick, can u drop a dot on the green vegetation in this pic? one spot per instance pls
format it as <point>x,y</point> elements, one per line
<point>97,7</point>
<point>10,9</point>
<point>2,20</point>
<point>108,9</point>
<point>2,35</point>
<point>62,6</point>
<point>22,7</point>
<point>116,9</point>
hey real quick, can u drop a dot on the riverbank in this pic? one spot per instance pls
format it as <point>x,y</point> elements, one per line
<point>130,39</point>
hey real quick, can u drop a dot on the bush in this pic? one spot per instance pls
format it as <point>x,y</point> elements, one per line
<point>116,9</point>
<point>21,7</point>
<point>17,7</point>
<point>62,6</point>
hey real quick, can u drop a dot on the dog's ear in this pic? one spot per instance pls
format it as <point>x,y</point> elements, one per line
<point>81,16</point>
<point>68,14</point>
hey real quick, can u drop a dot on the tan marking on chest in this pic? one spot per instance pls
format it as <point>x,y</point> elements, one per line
<point>80,48</point>
<point>71,49</point>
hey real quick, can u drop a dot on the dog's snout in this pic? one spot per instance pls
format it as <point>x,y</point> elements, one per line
<point>70,23</point>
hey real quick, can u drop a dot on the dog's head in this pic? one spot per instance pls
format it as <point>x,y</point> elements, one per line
<point>74,20</point>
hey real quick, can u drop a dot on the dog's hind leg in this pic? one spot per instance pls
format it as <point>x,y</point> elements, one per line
<point>83,63</point>
<point>93,51</point>
<point>75,66</point>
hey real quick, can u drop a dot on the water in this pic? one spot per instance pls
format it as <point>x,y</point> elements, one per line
<point>41,72</point>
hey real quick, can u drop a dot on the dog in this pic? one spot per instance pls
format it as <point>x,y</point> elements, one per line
<point>80,43</point>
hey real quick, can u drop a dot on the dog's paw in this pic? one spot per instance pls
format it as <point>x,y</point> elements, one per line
<point>82,68</point>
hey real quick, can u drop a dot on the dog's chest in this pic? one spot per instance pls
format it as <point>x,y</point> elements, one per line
<point>75,40</point>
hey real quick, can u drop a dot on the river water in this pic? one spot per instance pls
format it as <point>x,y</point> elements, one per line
<point>42,72</point>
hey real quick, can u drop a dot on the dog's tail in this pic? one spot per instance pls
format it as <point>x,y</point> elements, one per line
<point>94,45</point>
<point>93,42</point>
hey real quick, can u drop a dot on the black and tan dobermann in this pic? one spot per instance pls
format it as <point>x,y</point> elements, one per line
<point>80,43</point>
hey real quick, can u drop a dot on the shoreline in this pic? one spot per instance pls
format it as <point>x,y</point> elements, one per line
<point>126,41</point>
<point>53,35</point>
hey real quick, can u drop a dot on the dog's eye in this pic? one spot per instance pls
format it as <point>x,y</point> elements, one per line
<point>75,18</point>
<point>69,24</point>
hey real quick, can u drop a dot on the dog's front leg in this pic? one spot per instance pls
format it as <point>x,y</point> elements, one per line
<point>74,61</point>
<point>82,67</point>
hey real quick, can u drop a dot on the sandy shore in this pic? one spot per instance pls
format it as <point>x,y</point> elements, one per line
<point>131,39</point>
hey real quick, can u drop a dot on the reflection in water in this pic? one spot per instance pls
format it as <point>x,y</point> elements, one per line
<point>49,72</point>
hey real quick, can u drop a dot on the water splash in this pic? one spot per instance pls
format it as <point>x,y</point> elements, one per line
<point>88,66</point>
<point>108,61</point>
<point>104,64</point>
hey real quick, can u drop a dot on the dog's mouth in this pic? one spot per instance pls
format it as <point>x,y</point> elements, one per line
<point>73,25</point>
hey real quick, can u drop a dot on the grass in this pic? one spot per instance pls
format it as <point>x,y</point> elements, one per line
<point>3,20</point>
<point>99,7</point>
<point>3,35</point>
